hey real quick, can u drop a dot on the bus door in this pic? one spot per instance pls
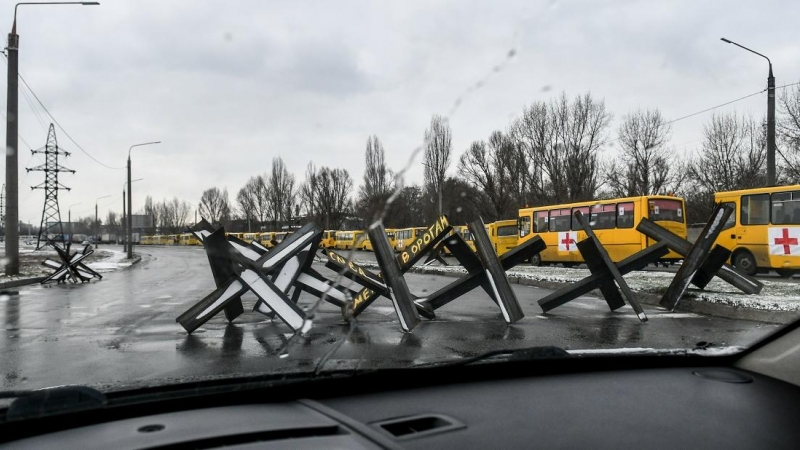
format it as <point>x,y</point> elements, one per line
<point>603,219</point>
<point>625,240</point>
<point>754,210</point>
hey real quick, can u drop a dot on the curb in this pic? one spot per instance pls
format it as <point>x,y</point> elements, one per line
<point>22,282</point>
<point>687,304</point>
<point>26,281</point>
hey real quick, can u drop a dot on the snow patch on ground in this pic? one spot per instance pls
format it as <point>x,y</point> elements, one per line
<point>114,262</point>
<point>776,295</point>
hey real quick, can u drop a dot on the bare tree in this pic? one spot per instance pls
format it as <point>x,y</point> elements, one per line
<point>308,191</point>
<point>215,206</point>
<point>247,199</point>
<point>377,186</point>
<point>531,133</point>
<point>332,201</point>
<point>645,164</point>
<point>182,209</point>
<point>733,155</point>
<point>281,192</point>
<point>494,170</point>
<point>438,148</point>
<point>151,208</point>
<point>789,132</point>
<point>561,141</point>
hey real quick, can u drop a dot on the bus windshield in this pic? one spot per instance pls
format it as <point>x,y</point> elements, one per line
<point>507,230</point>
<point>662,209</point>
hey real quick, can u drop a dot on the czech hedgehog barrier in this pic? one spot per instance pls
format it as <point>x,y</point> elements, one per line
<point>279,275</point>
<point>71,266</point>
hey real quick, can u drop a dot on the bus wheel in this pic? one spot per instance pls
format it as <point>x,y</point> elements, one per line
<point>786,273</point>
<point>745,262</point>
<point>536,260</point>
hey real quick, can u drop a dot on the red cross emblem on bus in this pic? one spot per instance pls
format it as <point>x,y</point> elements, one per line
<point>568,240</point>
<point>786,241</point>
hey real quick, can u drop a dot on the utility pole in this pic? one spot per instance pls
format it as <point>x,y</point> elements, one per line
<point>770,115</point>
<point>770,128</point>
<point>12,161</point>
<point>130,221</point>
<point>97,223</point>
<point>124,223</point>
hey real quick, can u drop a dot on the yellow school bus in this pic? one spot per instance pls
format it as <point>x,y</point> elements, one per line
<point>614,222</point>
<point>406,236</point>
<point>266,239</point>
<point>763,233</point>
<point>346,240</point>
<point>503,234</point>
<point>463,231</point>
<point>146,240</point>
<point>250,237</point>
<point>280,236</point>
<point>238,235</point>
<point>366,243</point>
<point>328,239</point>
<point>188,239</point>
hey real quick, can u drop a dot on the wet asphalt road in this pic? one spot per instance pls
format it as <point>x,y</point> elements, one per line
<point>121,331</point>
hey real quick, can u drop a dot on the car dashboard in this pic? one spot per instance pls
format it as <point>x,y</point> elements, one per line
<point>578,403</point>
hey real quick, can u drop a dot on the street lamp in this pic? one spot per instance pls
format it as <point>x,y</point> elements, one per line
<point>12,160</point>
<point>770,116</point>
<point>69,219</point>
<point>130,221</point>
<point>96,224</point>
<point>124,242</point>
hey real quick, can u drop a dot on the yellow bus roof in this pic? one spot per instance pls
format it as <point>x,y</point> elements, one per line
<point>761,190</point>
<point>595,202</point>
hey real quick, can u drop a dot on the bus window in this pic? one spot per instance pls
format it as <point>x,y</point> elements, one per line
<point>604,217</point>
<point>585,211</point>
<point>625,215</point>
<point>559,219</point>
<point>732,219</point>
<point>755,209</point>
<point>540,225</point>
<point>786,208</point>
<point>661,209</point>
<point>524,226</point>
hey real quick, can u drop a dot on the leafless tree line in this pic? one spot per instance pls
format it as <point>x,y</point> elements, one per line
<point>169,216</point>
<point>555,151</point>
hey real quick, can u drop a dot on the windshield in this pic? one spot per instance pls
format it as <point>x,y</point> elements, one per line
<point>200,190</point>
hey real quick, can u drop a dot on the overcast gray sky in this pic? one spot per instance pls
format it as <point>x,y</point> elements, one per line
<point>229,85</point>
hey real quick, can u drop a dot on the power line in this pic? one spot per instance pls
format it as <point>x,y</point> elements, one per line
<point>717,107</point>
<point>65,131</point>
<point>713,107</point>
<point>56,121</point>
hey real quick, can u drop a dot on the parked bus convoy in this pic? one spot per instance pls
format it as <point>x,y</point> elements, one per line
<point>763,233</point>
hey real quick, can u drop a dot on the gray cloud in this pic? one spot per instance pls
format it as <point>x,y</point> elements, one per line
<point>228,86</point>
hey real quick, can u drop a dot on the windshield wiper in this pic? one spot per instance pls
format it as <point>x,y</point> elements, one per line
<point>29,404</point>
<point>541,352</point>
